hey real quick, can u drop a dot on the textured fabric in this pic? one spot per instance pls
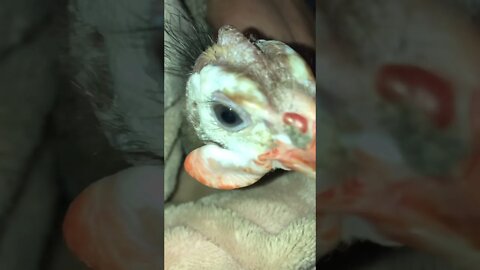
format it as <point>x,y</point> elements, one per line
<point>115,48</point>
<point>271,226</point>
<point>28,83</point>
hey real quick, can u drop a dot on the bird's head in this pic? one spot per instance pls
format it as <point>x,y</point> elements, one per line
<point>253,104</point>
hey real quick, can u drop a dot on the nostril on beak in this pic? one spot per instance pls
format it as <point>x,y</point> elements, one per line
<point>296,120</point>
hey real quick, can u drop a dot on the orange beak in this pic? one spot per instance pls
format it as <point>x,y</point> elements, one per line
<point>301,160</point>
<point>300,153</point>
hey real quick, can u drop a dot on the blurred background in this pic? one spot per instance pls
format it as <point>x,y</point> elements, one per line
<point>47,128</point>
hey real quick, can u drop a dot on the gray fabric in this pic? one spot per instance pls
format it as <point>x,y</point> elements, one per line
<point>174,106</point>
<point>22,127</point>
<point>28,83</point>
<point>21,19</point>
<point>115,50</point>
<point>28,229</point>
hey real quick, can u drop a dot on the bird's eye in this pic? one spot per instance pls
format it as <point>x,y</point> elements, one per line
<point>228,114</point>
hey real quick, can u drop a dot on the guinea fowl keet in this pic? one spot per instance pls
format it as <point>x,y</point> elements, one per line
<point>253,104</point>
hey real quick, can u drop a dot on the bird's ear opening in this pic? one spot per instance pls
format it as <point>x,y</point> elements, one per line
<point>221,168</point>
